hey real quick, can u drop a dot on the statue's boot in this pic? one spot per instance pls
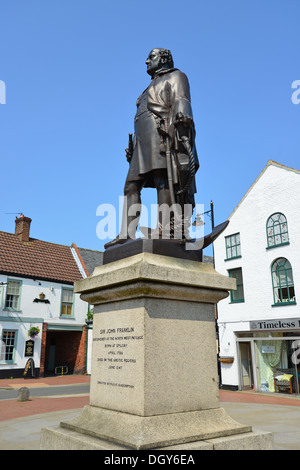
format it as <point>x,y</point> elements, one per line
<point>116,241</point>
<point>132,204</point>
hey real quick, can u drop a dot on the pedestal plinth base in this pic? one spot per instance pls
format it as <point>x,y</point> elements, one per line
<point>154,377</point>
<point>101,429</point>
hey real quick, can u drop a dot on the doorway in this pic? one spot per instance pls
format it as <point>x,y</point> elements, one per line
<point>65,348</point>
<point>246,366</point>
<point>51,355</point>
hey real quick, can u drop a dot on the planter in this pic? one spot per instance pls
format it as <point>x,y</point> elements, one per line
<point>226,360</point>
<point>33,332</point>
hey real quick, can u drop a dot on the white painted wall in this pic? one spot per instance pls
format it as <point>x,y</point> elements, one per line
<point>277,190</point>
<point>49,313</point>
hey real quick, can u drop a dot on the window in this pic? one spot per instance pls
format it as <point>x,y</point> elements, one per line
<point>233,246</point>
<point>8,343</point>
<point>238,294</point>
<point>13,295</point>
<point>283,283</point>
<point>277,230</point>
<point>67,302</point>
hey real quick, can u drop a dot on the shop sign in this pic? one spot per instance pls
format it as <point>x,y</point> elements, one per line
<point>29,348</point>
<point>29,367</point>
<point>268,349</point>
<point>284,324</point>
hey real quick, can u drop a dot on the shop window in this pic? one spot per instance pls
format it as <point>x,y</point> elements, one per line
<point>283,283</point>
<point>13,295</point>
<point>233,246</point>
<point>276,367</point>
<point>66,303</point>
<point>277,230</point>
<point>238,294</point>
<point>8,344</point>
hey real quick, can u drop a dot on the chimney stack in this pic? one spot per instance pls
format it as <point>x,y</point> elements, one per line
<point>22,228</point>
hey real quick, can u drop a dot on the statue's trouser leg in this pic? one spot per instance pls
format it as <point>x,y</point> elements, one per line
<point>173,221</point>
<point>163,216</point>
<point>131,209</point>
<point>163,196</point>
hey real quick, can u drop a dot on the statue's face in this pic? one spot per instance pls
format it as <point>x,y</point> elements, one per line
<point>154,62</point>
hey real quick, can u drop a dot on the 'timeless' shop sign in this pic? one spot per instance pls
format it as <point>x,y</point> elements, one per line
<point>286,324</point>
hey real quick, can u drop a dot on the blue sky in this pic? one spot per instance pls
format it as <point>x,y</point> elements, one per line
<point>73,70</point>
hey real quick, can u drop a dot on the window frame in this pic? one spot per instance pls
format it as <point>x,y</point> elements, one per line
<point>281,233</point>
<point>280,286</point>
<point>12,309</point>
<point>12,360</point>
<point>1,295</point>
<point>65,315</point>
<point>238,284</point>
<point>232,246</point>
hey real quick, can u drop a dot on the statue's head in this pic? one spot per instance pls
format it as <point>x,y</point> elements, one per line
<point>159,59</point>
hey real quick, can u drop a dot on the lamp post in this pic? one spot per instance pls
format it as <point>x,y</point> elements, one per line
<point>212,215</point>
<point>198,222</point>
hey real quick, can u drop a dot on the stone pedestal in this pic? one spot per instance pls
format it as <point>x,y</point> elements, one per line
<point>154,381</point>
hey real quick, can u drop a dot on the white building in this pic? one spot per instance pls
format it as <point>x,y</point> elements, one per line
<point>259,323</point>
<point>36,291</point>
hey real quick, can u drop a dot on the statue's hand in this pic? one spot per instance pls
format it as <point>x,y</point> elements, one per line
<point>183,121</point>
<point>128,155</point>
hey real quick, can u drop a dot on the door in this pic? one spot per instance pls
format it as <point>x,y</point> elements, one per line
<point>51,354</point>
<point>246,365</point>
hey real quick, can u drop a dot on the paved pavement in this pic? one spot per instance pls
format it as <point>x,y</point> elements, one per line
<point>21,422</point>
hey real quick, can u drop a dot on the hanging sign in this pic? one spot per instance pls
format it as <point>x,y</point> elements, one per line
<point>29,348</point>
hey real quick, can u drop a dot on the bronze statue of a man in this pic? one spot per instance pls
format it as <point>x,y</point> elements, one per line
<point>163,155</point>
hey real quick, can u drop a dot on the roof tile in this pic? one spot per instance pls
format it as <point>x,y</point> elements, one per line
<point>37,259</point>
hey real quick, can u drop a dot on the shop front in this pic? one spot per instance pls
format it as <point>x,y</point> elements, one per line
<point>269,356</point>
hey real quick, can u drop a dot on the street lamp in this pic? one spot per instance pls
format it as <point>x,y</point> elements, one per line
<point>198,221</point>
